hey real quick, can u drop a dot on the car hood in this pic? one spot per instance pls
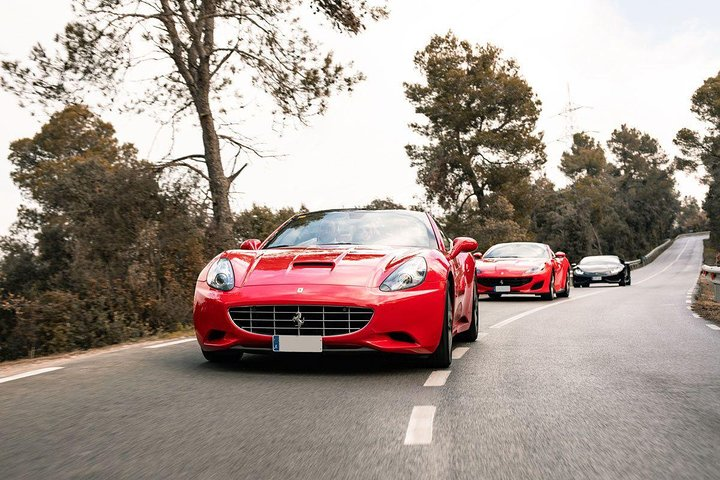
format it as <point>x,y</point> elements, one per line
<point>352,266</point>
<point>507,266</point>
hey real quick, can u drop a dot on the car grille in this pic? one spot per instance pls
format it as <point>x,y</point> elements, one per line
<point>320,320</point>
<point>496,281</point>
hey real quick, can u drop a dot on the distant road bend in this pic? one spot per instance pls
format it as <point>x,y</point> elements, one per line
<point>614,382</point>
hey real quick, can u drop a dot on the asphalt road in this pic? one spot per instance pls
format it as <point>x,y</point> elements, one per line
<point>615,382</point>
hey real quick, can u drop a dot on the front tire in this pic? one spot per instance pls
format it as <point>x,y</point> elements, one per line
<point>551,294</point>
<point>471,334</point>
<point>442,356</point>
<point>222,356</point>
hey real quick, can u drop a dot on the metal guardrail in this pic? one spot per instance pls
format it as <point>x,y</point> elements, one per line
<point>713,273</point>
<point>651,255</point>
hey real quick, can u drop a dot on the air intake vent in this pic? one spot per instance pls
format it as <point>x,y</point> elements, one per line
<point>309,264</point>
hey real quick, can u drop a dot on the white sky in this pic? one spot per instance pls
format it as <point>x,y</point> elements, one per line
<point>632,61</point>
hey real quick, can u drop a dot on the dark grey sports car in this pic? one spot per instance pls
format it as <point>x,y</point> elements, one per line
<point>601,269</point>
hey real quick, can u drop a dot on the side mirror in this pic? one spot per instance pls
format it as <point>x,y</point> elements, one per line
<point>573,265</point>
<point>462,244</point>
<point>250,244</point>
<point>477,255</point>
<point>560,254</point>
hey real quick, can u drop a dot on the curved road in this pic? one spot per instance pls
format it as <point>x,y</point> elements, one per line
<point>611,383</point>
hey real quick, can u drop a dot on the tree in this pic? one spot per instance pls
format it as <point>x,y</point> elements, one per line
<point>690,218</point>
<point>703,149</point>
<point>106,252</point>
<point>585,158</point>
<point>480,122</point>
<point>200,50</point>
<point>260,221</point>
<point>384,204</point>
<point>646,187</point>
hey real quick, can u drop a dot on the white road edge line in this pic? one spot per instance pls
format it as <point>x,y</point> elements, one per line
<point>174,342</point>
<point>419,431</point>
<point>29,374</point>
<point>712,326</point>
<point>535,310</point>
<point>459,352</point>
<point>437,378</point>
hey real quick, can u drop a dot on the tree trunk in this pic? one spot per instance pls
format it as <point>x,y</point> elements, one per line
<point>221,230</point>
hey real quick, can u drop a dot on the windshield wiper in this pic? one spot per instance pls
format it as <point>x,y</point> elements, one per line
<point>277,246</point>
<point>339,243</point>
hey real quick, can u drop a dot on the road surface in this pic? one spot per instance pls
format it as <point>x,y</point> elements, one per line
<point>614,382</point>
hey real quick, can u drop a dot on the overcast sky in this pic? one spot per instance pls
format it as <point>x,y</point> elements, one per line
<point>632,61</point>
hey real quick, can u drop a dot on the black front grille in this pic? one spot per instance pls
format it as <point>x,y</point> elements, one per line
<point>496,281</point>
<point>320,320</point>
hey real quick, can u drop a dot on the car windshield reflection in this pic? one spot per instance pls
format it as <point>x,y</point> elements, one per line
<point>356,227</point>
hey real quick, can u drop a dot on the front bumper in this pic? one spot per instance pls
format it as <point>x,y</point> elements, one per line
<point>519,284</point>
<point>587,279</point>
<point>409,321</point>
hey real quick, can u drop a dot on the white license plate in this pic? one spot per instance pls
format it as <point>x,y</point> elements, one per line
<point>294,343</point>
<point>596,279</point>
<point>502,288</point>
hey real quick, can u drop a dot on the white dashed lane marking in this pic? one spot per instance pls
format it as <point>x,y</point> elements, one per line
<point>459,352</point>
<point>420,427</point>
<point>174,342</point>
<point>29,374</point>
<point>437,378</point>
<point>712,326</point>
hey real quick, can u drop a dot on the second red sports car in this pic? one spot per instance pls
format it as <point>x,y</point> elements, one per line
<point>523,268</point>
<point>337,280</point>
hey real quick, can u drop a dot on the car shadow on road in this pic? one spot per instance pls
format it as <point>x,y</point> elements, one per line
<point>323,364</point>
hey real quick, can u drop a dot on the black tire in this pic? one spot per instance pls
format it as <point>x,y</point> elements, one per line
<point>625,279</point>
<point>565,293</point>
<point>551,294</point>
<point>442,356</point>
<point>494,296</point>
<point>222,356</point>
<point>471,334</point>
<point>629,280</point>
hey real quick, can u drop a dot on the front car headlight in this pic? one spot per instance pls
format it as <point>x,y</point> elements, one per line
<point>535,269</point>
<point>579,271</point>
<point>410,274</point>
<point>221,276</point>
<point>617,270</point>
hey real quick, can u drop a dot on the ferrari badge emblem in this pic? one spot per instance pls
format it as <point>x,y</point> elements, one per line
<point>297,318</point>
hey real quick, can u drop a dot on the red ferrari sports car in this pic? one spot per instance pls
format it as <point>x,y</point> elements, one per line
<point>523,268</point>
<point>340,280</point>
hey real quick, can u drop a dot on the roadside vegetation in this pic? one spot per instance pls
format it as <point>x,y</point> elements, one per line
<point>108,246</point>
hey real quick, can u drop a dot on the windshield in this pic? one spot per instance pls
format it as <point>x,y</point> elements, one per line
<point>356,227</point>
<point>599,260</point>
<point>517,250</point>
